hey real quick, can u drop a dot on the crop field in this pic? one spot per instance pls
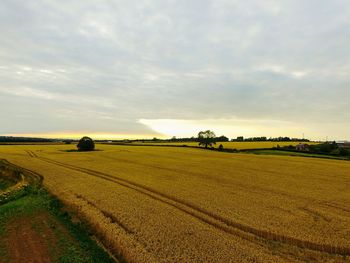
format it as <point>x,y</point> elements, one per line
<point>174,204</point>
<point>232,145</point>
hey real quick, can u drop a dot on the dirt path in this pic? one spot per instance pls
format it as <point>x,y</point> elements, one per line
<point>30,240</point>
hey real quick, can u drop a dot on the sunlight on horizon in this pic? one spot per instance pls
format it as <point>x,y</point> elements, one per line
<point>229,127</point>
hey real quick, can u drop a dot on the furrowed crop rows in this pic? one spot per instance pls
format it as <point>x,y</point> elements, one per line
<point>173,204</point>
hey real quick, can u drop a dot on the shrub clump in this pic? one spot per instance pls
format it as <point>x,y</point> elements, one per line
<point>86,144</point>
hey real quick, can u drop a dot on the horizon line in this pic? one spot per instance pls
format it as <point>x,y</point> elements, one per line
<point>98,136</point>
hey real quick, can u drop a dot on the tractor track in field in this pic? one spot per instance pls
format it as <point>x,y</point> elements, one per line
<point>31,154</point>
<point>105,213</point>
<point>244,231</point>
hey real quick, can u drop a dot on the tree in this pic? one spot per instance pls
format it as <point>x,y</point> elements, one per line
<point>343,151</point>
<point>206,138</point>
<point>222,138</point>
<point>86,144</point>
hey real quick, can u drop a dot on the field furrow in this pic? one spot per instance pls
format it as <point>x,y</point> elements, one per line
<point>164,202</point>
<point>217,221</point>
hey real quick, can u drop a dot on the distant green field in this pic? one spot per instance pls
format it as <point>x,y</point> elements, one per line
<point>301,154</point>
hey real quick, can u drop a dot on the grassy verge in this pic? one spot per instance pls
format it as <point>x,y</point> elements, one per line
<point>37,219</point>
<point>6,183</point>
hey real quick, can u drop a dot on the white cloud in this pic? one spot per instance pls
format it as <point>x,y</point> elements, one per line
<point>282,70</point>
<point>60,97</point>
<point>46,71</point>
<point>27,92</point>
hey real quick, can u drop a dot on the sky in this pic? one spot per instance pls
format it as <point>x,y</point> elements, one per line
<point>161,68</point>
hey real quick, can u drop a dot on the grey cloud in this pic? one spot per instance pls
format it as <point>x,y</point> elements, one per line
<point>131,60</point>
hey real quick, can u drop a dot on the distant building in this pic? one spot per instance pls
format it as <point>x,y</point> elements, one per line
<point>302,147</point>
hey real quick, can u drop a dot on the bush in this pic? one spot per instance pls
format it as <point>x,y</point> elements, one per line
<point>344,152</point>
<point>86,144</point>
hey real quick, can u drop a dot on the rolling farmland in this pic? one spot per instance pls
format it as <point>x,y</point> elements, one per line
<point>162,204</point>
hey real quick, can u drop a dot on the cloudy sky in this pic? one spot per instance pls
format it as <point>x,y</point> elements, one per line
<point>141,68</point>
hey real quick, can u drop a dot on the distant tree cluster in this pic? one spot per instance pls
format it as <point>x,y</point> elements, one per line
<point>327,148</point>
<point>331,148</point>
<point>263,139</point>
<point>221,138</point>
<point>24,139</point>
<point>190,139</point>
<point>255,139</point>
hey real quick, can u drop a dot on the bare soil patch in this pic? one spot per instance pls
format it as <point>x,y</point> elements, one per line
<point>30,239</point>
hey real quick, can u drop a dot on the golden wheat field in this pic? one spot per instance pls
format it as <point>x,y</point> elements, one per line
<point>173,204</point>
<point>233,145</point>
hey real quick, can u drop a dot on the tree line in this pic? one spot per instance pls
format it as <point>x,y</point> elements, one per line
<point>24,139</point>
<point>221,138</point>
<point>271,139</point>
